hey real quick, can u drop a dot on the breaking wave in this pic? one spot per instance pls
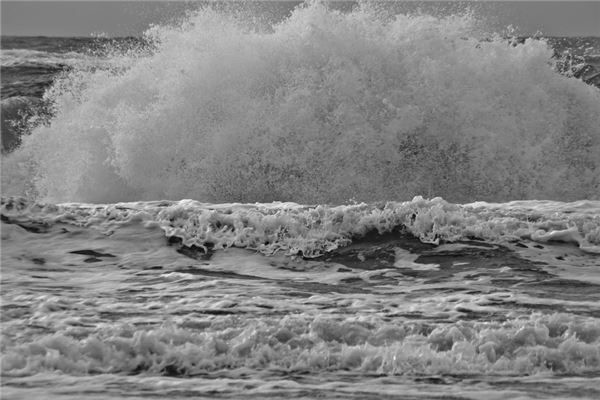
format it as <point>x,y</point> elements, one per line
<point>311,231</point>
<point>322,107</point>
<point>555,343</point>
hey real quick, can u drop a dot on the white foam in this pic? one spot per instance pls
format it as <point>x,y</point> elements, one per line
<point>530,346</point>
<point>321,108</point>
<point>312,231</point>
<point>139,309</point>
<point>404,259</point>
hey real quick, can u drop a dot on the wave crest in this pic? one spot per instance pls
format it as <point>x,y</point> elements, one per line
<point>323,107</point>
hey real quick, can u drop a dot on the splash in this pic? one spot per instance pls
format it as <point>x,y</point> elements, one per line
<point>322,107</point>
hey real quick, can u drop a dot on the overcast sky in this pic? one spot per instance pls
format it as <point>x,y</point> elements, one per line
<point>120,18</point>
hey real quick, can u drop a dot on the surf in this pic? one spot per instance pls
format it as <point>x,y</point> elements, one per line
<point>322,107</point>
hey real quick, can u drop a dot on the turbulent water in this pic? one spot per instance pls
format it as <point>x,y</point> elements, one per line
<point>350,284</point>
<point>396,300</point>
<point>322,107</point>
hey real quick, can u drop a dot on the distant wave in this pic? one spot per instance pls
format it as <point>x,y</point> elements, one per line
<point>27,57</point>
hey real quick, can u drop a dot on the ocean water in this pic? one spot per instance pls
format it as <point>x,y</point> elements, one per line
<point>324,201</point>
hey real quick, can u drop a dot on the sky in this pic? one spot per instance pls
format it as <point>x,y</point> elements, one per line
<point>123,18</point>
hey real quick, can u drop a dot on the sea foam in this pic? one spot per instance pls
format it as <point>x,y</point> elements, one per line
<point>311,231</point>
<point>541,344</point>
<point>322,107</point>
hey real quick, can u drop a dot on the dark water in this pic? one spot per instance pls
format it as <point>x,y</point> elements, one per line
<point>30,64</point>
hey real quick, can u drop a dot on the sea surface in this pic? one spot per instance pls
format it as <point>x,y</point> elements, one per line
<point>333,201</point>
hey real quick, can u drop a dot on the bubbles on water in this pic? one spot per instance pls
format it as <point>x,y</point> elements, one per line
<point>543,343</point>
